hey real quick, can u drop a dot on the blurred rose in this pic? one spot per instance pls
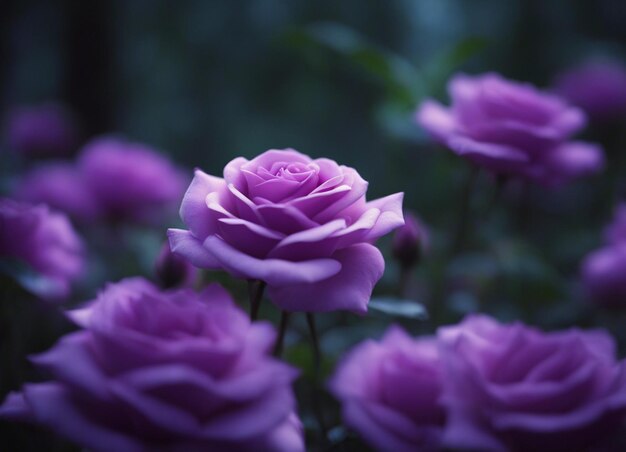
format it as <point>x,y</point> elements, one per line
<point>62,187</point>
<point>603,275</point>
<point>603,270</point>
<point>43,131</point>
<point>301,225</point>
<point>512,129</point>
<point>513,387</point>
<point>45,241</point>
<point>410,241</point>
<point>130,181</point>
<point>163,371</point>
<point>598,87</point>
<point>390,391</point>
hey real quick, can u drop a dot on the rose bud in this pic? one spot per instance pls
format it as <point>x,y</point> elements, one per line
<point>410,241</point>
<point>173,270</point>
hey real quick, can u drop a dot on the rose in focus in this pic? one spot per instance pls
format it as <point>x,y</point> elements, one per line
<point>46,242</point>
<point>302,226</point>
<point>156,370</point>
<point>512,129</point>
<point>390,392</point>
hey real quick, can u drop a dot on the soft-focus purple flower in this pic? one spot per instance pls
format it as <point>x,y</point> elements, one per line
<point>390,391</point>
<point>156,370</point>
<point>515,388</point>
<point>512,129</point>
<point>410,241</point>
<point>303,226</point>
<point>598,87</point>
<point>130,180</point>
<point>44,131</point>
<point>173,270</point>
<point>62,187</point>
<point>45,241</point>
<point>603,275</point>
<point>603,270</point>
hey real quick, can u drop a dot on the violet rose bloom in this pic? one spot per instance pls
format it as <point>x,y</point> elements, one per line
<point>130,181</point>
<point>390,391</point>
<point>598,87</point>
<point>303,226</point>
<point>513,129</point>
<point>410,241</point>
<point>42,131</point>
<point>62,187</point>
<point>46,242</point>
<point>515,388</point>
<point>156,370</point>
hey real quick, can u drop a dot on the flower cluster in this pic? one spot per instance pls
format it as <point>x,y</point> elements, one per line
<point>175,370</point>
<point>300,225</point>
<point>512,129</point>
<point>113,179</point>
<point>483,385</point>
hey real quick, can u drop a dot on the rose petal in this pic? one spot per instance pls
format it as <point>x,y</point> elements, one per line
<point>284,218</point>
<point>193,209</point>
<point>314,242</point>
<point>362,265</point>
<point>436,119</point>
<point>185,244</point>
<point>52,406</point>
<point>249,238</point>
<point>274,272</point>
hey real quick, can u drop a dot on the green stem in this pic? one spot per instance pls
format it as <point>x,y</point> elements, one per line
<point>255,294</point>
<point>316,402</point>
<point>280,341</point>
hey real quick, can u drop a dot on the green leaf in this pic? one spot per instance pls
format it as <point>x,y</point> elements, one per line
<point>399,77</point>
<point>449,61</point>
<point>397,307</point>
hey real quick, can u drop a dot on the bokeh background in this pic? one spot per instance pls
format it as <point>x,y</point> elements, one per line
<point>206,81</point>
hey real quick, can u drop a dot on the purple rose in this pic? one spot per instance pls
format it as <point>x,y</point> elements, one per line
<point>513,387</point>
<point>390,392</point>
<point>62,187</point>
<point>43,131</point>
<point>598,87</point>
<point>46,242</point>
<point>158,370</point>
<point>130,180</point>
<point>511,128</point>
<point>301,225</point>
